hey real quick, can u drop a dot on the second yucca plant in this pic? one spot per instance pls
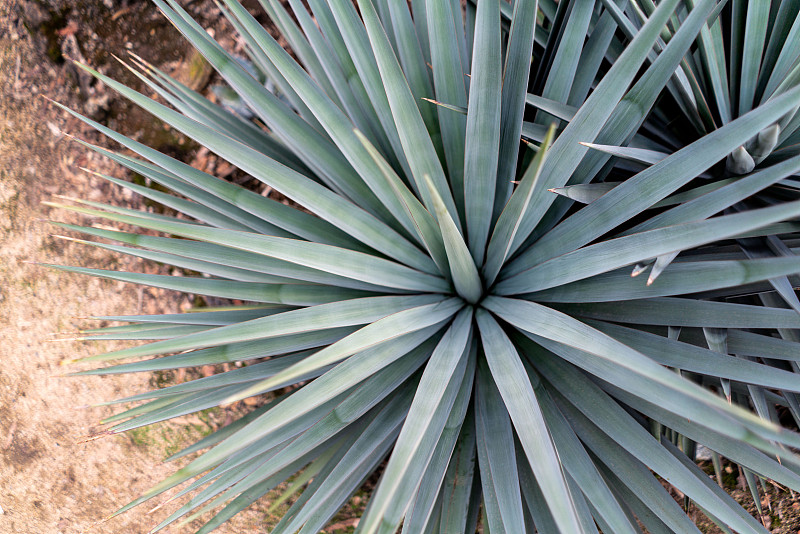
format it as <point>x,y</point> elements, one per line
<point>441,309</point>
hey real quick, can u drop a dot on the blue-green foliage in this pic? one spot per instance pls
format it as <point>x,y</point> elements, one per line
<point>463,311</point>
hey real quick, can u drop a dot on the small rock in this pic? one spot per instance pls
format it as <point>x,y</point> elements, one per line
<point>97,106</point>
<point>55,130</point>
<point>194,71</point>
<point>70,48</point>
<point>703,453</point>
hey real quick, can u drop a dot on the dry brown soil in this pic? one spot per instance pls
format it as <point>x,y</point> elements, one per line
<point>50,481</point>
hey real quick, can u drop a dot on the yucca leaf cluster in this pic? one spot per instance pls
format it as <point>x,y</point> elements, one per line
<point>459,310</point>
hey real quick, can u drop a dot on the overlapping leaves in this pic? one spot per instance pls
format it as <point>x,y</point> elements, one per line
<point>483,340</point>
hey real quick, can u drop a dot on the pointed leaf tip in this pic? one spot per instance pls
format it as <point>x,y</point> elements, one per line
<point>464,273</point>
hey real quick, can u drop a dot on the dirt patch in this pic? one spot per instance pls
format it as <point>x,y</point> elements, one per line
<point>22,451</point>
<point>50,481</point>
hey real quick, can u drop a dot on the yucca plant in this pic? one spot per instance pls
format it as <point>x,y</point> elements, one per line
<point>430,308</point>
